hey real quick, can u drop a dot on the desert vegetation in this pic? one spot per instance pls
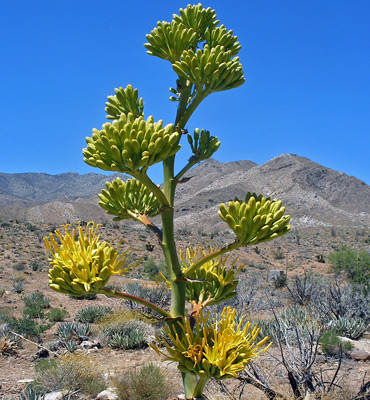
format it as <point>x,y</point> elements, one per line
<point>318,303</point>
<point>278,322</point>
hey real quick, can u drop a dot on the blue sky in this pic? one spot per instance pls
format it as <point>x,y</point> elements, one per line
<point>306,66</point>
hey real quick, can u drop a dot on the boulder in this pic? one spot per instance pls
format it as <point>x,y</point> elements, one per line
<point>359,355</point>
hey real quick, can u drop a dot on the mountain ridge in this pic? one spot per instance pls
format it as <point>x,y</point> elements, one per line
<point>313,194</point>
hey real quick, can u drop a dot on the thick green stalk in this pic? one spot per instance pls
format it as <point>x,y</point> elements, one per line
<point>169,245</point>
<point>146,181</point>
<point>193,387</point>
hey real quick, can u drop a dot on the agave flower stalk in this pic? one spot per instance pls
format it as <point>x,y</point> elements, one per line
<point>204,56</point>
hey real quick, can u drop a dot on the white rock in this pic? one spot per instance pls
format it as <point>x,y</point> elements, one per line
<point>107,394</point>
<point>54,396</point>
<point>25,380</point>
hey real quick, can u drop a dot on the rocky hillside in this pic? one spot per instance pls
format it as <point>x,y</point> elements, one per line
<point>313,194</point>
<point>37,188</point>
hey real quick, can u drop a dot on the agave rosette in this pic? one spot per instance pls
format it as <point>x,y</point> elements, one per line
<point>80,262</point>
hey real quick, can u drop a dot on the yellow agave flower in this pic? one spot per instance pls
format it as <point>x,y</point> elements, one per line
<point>213,282</point>
<point>81,263</point>
<point>213,348</point>
<point>210,284</point>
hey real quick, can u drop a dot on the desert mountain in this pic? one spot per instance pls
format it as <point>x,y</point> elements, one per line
<point>38,188</point>
<point>313,194</point>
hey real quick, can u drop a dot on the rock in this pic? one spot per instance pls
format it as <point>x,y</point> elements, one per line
<point>25,381</point>
<point>90,344</point>
<point>359,355</point>
<point>54,396</point>
<point>107,394</point>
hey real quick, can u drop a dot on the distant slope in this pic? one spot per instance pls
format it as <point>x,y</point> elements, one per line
<point>313,194</point>
<point>38,188</point>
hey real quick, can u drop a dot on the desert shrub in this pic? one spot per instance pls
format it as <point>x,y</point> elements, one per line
<point>70,372</point>
<point>279,254</point>
<point>146,383</point>
<point>57,314</point>
<point>151,268</point>
<point>249,298</point>
<point>332,345</point>
<point>280,281</point>
<point>37,266</point>
<point>304,290</point>
<point>19,266</point>
<point>28,327</point>
<point>5,315</point>
<point>92,314</point>
<point>37,299</point>
<point>292,324</point>
<point>356,265</point>
<point>35,304</point>
<point>340,300</point>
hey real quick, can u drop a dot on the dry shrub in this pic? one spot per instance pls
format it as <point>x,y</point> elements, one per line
<point>7,345</point>
<point>148,382</point>
<point>71,372</point>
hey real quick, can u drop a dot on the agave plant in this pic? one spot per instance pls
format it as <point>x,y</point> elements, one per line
<point>204,56</point>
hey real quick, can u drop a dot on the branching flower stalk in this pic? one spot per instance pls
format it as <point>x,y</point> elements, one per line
<point>204,57</point>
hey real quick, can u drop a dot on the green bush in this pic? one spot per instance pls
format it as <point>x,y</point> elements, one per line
<point>35,304</point>
<point>57,314</point>
<point>28,327</point>
<point>356,265</point>
<point>332,345</point>
<point>37,299</point>
<point>151,268</point>
<point>92,314</point>
<point>146,383</point>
